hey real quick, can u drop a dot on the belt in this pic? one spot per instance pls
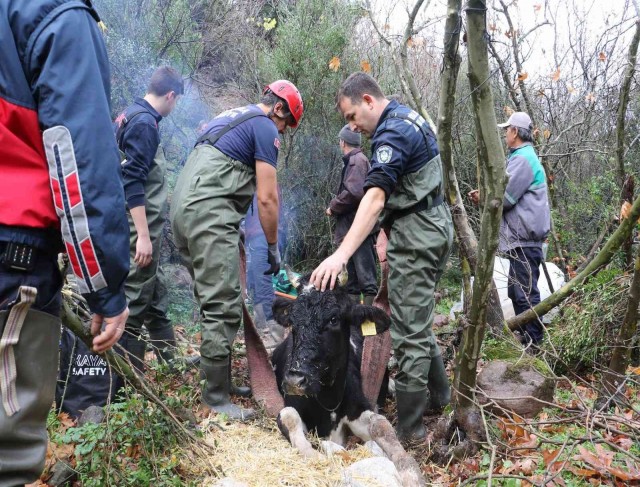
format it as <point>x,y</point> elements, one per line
<point>21,257</point>
<point>425,204</point>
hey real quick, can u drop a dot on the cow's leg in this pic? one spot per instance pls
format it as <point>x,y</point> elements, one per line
<point>372,426</point>
<point>292,427</point>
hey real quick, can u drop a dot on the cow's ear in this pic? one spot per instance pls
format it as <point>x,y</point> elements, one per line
<point>362,316</point>
<point>281,308</point>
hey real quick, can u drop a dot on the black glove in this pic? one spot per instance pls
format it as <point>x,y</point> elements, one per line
<point>273,257</point>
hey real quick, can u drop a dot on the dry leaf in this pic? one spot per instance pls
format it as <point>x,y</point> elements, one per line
<point>334,64</point>
<point>555,76</point>
<point>590,98</point>
<point>508,111</point>
<point>602,56</point>
<point>625,210</point>
<point>537,7</point>
<point>546,133</point>
<point>522,76</point>
<point>386,27</point>
<point>570,89</point>
<point>633,370</point>
<point>509,34</point>
<point>492,27</point>
<point>410,42</point>
<point>366,66</point>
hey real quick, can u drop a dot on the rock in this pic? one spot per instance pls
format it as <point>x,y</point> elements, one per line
<point>93,414</point>
<point>374,448</point>
<point>330,448</point>
<point>371,472</point>
<point>440,321</point>
<point>63,474</point>
<point>512,387</point>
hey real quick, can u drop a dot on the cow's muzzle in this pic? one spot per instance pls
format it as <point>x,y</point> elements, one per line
<point>295,383</point>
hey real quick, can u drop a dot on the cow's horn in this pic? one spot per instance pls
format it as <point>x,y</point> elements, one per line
<point>343,277</point>
<point>292,276</point>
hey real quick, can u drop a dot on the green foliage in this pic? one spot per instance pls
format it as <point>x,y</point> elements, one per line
<point>585,330</point>
<point>136,445</point>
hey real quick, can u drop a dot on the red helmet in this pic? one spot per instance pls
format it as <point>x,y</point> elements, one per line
<point>288,92</point>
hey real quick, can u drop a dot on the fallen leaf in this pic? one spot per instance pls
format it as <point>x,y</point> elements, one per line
<point>334,64</point>
<point>366,66</point>
<point>633,370</point>
<point>386,27</point>
<point>522,76</point>
<point>555,76</point>
<point>549,456</point>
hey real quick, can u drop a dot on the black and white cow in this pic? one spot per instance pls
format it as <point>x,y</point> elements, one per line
<point>317,369</point>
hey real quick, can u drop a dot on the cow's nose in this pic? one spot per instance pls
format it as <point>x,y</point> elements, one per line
<point>295,383</point>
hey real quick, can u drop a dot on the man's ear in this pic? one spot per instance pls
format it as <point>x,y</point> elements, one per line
<point>281,308</point>
<point>368,99</point>
<point>362,315</point>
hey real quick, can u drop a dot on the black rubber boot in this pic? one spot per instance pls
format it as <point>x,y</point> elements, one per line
<point>241,391</point>
<point>163,342</point>
<point>411,405</point>
<point>136,347</point>
<point>439,387</point>
<point>217,388</point>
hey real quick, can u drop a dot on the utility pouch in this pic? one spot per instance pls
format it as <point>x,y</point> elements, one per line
<point>17,256</point>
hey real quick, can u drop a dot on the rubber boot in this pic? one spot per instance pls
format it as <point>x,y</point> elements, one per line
<point>135,347</point>
<point>217,388</point>
<point>410,408</point>
<point>439,387</point>
<point>368,300</point>
<point>241,391</point>
<point>163,342</point>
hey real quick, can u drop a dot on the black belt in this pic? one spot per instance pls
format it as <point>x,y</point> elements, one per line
<point>21,257</point>
<point>425,204</point>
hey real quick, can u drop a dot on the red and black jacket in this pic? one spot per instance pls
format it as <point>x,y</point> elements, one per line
<point>54,87</point>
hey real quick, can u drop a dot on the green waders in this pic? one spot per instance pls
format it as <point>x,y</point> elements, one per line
<point>212,195</point>
<point>418,250</point>
<point>145,287</point>
<point>27,398</point>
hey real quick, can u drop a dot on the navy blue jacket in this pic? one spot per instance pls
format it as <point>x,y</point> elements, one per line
<point>139,141</point>
<point>397,148</point>
<point>59,164</point>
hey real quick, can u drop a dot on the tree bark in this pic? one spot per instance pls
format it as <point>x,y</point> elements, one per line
<point>613,377</point>
<point>602,259</point>
<point>492,161</point>
<point>467,241</point>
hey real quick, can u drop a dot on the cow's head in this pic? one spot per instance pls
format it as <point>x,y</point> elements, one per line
<point>321,327</point>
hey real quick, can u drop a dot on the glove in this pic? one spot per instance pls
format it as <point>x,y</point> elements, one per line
<point>273,257</point>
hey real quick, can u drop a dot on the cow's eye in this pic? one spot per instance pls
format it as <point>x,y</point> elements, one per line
<point>333,321</point>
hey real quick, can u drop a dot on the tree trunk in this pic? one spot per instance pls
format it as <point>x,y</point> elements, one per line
<point>602,259</point>
<point>492,161</point>
<point>467,242</point>
<point>613,377</point>
<point>628,190</point>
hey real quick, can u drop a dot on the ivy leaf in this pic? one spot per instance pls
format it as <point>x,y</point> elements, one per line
<point>366,66</point>
<point>334,64</point>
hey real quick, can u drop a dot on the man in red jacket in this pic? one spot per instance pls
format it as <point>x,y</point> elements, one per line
<point>60,190</point>
<point>361,267</point>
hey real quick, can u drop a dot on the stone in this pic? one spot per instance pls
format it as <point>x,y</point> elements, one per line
<point>440,321</point>
<point>374,448</point>
<point>514,387</point>
<point>371,472</point>
<point>93,414</point>
<point>63,474</point>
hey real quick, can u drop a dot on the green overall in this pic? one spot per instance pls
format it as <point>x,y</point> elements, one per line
<point>419,246</point>
<point>144,287</point>
<point>212,195</point>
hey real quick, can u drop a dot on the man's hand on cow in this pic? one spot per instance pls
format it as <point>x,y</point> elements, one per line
<point>325,275</point>
<point>328,211</point>
<point>273,257</point>
<point>474,196</point>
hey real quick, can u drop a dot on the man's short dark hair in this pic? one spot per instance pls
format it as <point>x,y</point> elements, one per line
<point>525,134</point>
<point>164,80</point>
<point>356,85</point>
<point>270,99</point>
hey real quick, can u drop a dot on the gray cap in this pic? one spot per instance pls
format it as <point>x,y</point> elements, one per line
<point>518,119</point>
<point>354,139</point>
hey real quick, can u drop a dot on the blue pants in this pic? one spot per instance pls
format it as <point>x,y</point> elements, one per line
<point>524,271</point>
<point>259,286</point>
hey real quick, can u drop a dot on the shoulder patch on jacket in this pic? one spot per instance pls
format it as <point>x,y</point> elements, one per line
<point>383,154</point>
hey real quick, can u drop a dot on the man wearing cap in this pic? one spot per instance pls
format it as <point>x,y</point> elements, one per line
<point>234,157</point>
<point>362,264</point>
<point>526,220</point>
